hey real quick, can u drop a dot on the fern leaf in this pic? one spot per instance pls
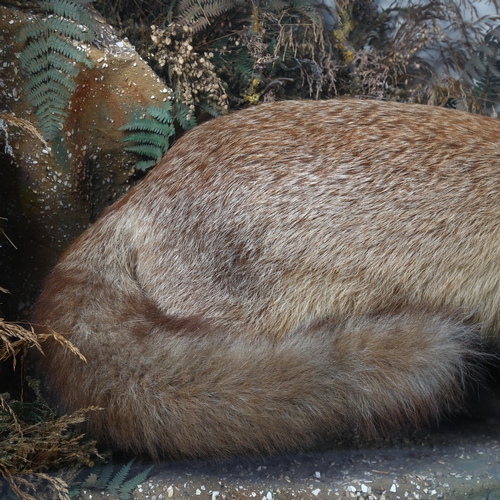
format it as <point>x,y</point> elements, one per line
<point>185,5</point>
<point>147,125</point>
<point>49,91</point>
<point>49,59</point>
<point>245,62</point>
<point>50,128</point>
<point>104,476</point>
<point>216,8</point>
<point>182,112</point>
<point>488,51</point>
<point>50,109</point>
<point>475,69</point>
<point>32,30</point>
<point>63,64</point>
<point>144,165</point>
<point>119,478</point>
<point>70,10</point>
<point>60,78</point>
<point>69,29</point>
<point>146,150</point>
<point>153,134</point>
<point>495,32</point>
<point>164,115</point>
<point>33,66</point>
<point>146,138</point>
<point>126,489</point>
<point>32,51</point>
<point>53,75</point>
<point>482,71</point>
<point>197,13</point>
<point>208,109</point>
<point>492,68</point>
<point>62,46</point>
<point>61,25</point>
<point>199,25</point>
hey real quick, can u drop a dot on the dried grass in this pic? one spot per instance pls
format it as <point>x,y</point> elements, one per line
<point>24,125</point>
<point>33,439</point>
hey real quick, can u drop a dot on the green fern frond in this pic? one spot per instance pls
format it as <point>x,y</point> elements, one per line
<point>68,67</point>
<point>74,10</point>
<point>51,75</point>
<point>245,62</point>
<point>32,52</point>
<point>71,30</point>
<point>53,121</point>
<point>51,104</point>
<point>153,131</point>
<point>485,58</point>
<point>103,475</point>
<point>129,486</point>
<point>198,13</point>
<point>146,138</point>
<point>238,59</point>
<point>145,165</point>
<point>59,25</point>
<point>208,109</point>
<point>148,125</point>
<point>49,59</point>
<point>118,479</point>
<point>51,107</point>
<point>153,135</point>
<point>146,150</point>
<point>34,65</point>
<point>118,486</point>
<point>32,30</point>
<point>184,116</point>
<point>482,72</point>
<point>53,127</point>
<point>62,46</point>
<point>48,91</point>
<point>164,114</point>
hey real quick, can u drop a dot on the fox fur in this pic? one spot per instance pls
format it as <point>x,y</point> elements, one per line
<point>286,274</point>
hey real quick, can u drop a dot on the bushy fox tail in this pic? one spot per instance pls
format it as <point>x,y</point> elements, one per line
<point>185,389</point>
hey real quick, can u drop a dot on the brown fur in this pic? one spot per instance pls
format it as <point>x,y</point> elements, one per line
<point>287,273</point>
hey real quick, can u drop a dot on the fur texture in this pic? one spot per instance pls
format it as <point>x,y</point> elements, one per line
<point>287,273</point>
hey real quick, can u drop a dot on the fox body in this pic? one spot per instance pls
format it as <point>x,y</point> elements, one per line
<point>285,274</point>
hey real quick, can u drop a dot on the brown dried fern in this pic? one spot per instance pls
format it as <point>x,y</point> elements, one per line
<point>15,338</point>
<point>32,437</point>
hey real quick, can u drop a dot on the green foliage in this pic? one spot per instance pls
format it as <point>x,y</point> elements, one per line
<point>197,13</point>
<point>410,51</point>
<point>29,412</point>
<point>185,117</point>
<point>49,59</point>
<point>482,71</point>
<point>120,485</point>
<point>152,132</point>
<point>236,59</point>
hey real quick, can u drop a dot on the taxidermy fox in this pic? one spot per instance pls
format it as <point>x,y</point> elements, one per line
<point>286,274</point>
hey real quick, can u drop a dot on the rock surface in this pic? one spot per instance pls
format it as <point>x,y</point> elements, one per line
<point>456,462</point>
<point>49,196</point>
